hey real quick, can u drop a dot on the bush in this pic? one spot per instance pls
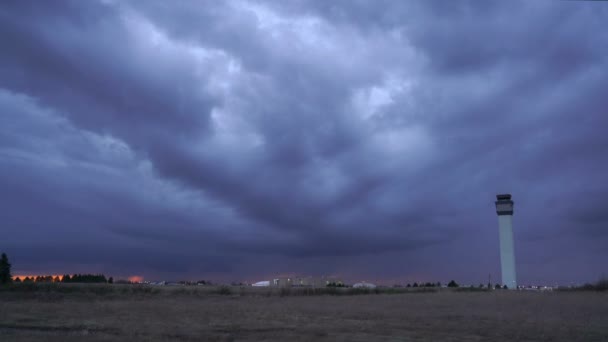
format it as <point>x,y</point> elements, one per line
<point>224,290</point>
<point>21,287</point>
<point>358,290</point>
<point>471,289</point>
<point>423,290</point>
<point>602,285</point>
<point>59,290</point>
<point>334,284</point>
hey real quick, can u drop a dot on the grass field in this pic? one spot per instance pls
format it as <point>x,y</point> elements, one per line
<point>105,313</point>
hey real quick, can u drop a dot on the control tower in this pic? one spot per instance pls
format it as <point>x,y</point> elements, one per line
<point>504,209</point>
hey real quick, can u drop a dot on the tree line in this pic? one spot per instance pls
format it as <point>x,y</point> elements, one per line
<point>66,278</point>
<point>429,284</point>
<point>6,277</point>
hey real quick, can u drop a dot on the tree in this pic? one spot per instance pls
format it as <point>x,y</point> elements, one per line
<point>17,280</point>
<point>408,285</point>
<point>452,283</point>
<point>85,278</point>
<point>5,270</point>
<point>504,287</point>
<point>110,280</point>
<point>497,286</point>
<point>415,285</point>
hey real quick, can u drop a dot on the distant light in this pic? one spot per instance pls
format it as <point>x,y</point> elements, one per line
<point>136,279</point>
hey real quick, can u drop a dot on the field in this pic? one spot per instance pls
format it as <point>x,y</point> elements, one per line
<point>105,313</point>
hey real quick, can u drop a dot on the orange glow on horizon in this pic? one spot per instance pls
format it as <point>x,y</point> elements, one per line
<point>23,276</point>
<point>136,279</point>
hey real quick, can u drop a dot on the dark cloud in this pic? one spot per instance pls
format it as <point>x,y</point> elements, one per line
<point>245,138</point>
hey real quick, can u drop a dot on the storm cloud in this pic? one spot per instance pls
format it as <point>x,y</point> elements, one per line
<point>236,140</point>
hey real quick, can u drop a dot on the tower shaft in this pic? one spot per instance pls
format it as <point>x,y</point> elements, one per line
<point>507,252</point>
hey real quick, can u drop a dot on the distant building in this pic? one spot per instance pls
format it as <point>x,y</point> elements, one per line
<point>264,283</point>
<point>364,285</point>
<point>313,282</point>
<point>281,282</point>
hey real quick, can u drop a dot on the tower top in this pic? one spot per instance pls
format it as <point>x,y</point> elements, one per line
<point>503,197</point>
<point>504,204</point>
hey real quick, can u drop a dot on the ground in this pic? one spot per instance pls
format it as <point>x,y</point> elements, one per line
<point>166,315</point>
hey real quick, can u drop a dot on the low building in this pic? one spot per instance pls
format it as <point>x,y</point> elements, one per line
<point>313,282</point>
<point>281,282</point>
<point>364,285</point>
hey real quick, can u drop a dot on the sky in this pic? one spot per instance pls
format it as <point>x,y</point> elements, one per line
<point>241,140</point>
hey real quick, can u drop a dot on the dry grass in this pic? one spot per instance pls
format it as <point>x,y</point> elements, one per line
<point>202,314</point>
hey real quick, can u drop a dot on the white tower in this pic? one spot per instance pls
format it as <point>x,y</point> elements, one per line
<point>504,209</point>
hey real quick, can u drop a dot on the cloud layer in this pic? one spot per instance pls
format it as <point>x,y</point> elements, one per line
<point>241,139</point>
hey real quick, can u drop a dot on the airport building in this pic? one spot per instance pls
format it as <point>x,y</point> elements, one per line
<point>314,282</point>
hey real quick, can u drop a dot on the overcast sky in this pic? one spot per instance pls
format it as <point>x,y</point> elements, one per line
<point>238,140</point>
